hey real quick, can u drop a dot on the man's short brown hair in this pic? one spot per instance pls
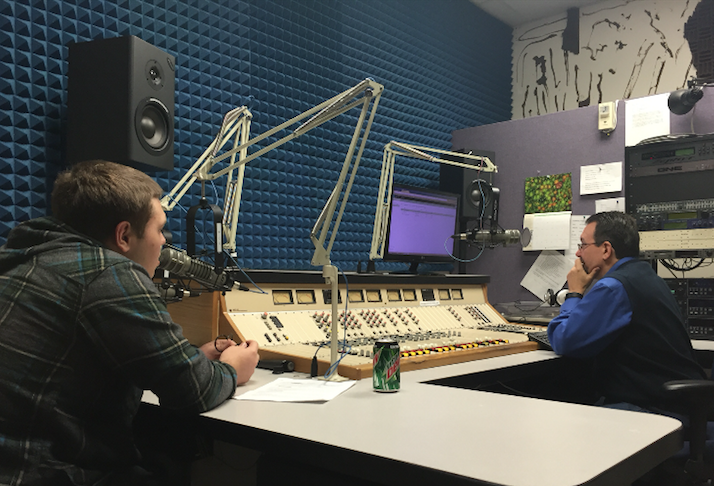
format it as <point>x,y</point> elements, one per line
<point>93,197</point>
<point>619,229</point>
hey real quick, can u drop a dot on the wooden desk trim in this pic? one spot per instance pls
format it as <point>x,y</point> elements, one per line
<point>198,317</point>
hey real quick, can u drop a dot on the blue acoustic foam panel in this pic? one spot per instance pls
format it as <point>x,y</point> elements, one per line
<point>445,66</point>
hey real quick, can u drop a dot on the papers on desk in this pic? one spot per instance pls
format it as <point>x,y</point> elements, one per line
<point>297,390</point>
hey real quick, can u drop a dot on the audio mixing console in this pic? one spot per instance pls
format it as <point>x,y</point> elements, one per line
<point>437,321</point>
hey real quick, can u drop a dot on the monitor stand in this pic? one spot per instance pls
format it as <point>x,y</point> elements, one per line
<point>412,269</point>
<point>413,266</point>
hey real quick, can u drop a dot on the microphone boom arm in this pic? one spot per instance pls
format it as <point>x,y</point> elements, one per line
<point>367,93</point>
<point>236,125</point>
<point>237,122</point>
<point>391,151</point>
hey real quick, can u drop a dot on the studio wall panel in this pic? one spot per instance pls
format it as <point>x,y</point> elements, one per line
<point>279,58</point>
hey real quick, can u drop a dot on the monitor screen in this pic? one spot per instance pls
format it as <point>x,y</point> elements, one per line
<point>421,224</point>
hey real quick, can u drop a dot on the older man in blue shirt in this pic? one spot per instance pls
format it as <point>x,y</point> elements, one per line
<point>628,322</point>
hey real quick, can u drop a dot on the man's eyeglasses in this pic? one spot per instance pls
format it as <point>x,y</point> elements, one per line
<point>583,245</point>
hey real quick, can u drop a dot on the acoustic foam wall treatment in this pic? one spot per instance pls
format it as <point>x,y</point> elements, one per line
<point>445,65</point>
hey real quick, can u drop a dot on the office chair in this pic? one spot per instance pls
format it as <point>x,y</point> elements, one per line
<point>697,396</point>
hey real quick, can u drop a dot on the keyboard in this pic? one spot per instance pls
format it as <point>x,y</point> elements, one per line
<point>541,338</point>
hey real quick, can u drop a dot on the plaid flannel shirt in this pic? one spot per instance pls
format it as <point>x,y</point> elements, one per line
<point>83,331</point>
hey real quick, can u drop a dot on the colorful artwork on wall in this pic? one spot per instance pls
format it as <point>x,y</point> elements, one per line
<point>548,194</point>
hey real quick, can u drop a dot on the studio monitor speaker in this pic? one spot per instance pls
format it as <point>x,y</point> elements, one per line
<point>465,182</point>
<point>121,103</point>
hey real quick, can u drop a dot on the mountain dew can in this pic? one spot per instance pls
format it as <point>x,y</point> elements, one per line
<point>385,366</point>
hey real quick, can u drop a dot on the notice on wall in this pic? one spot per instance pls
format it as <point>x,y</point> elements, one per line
<point>600,178</point>
<point>646,117</point>
<point>577,225</point>
<point>549,231</point>
<point>612,204</point>
<point>549,271</point>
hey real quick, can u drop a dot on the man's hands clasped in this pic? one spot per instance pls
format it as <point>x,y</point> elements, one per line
<point>242,357</point>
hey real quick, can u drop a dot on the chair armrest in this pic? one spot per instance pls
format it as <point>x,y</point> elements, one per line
<point>698,397</point>
<point>691,389</point>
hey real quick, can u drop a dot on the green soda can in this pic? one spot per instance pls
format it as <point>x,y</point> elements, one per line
<point>385,366</point>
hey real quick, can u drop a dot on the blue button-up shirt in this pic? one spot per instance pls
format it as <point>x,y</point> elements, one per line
<point>586,326</point>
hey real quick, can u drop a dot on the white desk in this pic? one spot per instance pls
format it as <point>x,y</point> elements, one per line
<point>703,344</point>
<point>454,435</point>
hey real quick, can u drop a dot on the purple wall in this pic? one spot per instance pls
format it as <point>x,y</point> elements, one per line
<point>543,145</point>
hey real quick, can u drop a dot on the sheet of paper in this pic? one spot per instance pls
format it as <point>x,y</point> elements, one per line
<point>612,204</point>
<point>297,390</point>
<point>549,231</point>
<point>600,178</point>
<point>577,225</point>
<point>646,117</point>
<point>548,272</point>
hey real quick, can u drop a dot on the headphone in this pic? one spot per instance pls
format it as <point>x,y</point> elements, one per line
<point>552,298</point>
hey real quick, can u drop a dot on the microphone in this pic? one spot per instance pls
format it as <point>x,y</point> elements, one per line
<point>179,263</point>
<point>505,237</point>
<point>277,366</point>
<point>174,292</point>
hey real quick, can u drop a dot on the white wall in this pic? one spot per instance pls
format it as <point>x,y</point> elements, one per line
<point>628,49</point>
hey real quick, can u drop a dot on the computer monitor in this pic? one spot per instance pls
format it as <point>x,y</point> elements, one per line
<point>421,224</point>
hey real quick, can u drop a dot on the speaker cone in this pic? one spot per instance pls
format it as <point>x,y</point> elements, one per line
<point>479,194</point>
<point>153,126</point>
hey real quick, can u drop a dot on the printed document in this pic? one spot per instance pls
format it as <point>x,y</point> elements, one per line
<point>548,272</point>
<point>297,390</point>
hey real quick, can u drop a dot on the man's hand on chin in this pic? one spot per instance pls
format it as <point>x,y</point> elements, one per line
<point>579,279</point>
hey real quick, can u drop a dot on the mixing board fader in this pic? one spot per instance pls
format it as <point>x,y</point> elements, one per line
<point>293,321</point>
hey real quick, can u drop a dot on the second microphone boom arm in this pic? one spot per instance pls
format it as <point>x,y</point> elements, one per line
<point>391,150</point>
